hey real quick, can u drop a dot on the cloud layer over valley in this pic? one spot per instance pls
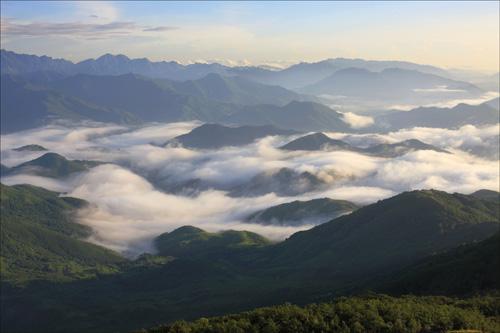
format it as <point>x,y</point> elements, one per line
<point>132,199</point>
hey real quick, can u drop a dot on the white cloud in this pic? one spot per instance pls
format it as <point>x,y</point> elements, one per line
<point>128,210</point>
<point>357,121</point>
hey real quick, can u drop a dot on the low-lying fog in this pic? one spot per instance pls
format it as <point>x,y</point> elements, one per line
<point>129,207</point>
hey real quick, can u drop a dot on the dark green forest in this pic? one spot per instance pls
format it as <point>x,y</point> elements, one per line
<point>420,242</point>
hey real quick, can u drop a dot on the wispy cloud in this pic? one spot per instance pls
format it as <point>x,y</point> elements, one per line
<point>12,27</point>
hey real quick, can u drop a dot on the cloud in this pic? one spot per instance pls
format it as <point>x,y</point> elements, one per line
<point>89,30</point>
<point>101,10</point>
<point>128,212</point>
<point>129,208</point>
<point>357,121</point>
<point>159,29</point>
<point>48,183</point>
<point>449,103</point>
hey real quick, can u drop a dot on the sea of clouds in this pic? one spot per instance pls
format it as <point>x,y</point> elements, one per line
<point>129,208</point>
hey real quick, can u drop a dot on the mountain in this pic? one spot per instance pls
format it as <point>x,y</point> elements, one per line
<point>142,97</point>
<point>299,116</point>
<point>52,165</point>
<point>467,269</point>
<point>454,117</point>
<point>391,233</point>
<point>297,212</point>
<point>211,136</point>
<point>487,195</point>
<point>394,84</point>
<point>319,141</point>
<point>31,147</point>
<point>400,148</point>
<point>235,90</point>
<point>25,106</point>
<point>303,74</point>
<point>131,98</point>
<point>494,103</point>
<point>339,256</point>
<point>190,242</point>
<point>107,64</point>
<point>282,182</point>
<point>292,77</point>
<point>4,170</point>
<point>40,240</point>
<point>15,63</point>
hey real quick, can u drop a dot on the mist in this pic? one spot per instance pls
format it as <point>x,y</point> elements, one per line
<point>129,206</point>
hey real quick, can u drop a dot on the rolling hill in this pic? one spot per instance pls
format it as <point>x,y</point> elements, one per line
<point>299,116</point>
<point>211,136</point>
<point>52,165</point>
<point>297,212</point>
<point>24,106</point>
<point>192,242</point>
<point>394,84</point>
<point>320,141</point>
<point>460,115</point>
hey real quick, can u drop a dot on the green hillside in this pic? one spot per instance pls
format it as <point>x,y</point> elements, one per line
<point>40,241</point>
<point>207,274</point>
<point>402,228</point>
<point>189,241</point>
<point>302,212</point>
<point>467,269</point>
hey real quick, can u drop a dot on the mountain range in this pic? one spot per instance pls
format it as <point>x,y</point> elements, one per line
<point>133,99</point>
<point>37,90</point>
<point>394,84</point>
<point>454,117</point>
<point>294,76</point>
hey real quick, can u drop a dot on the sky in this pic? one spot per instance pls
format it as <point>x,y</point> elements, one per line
<point>447,34</point>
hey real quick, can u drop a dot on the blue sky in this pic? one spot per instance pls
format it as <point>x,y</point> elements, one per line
<point>447,34</point>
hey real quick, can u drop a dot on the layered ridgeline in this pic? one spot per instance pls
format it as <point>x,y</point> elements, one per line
<point>37,90</point>
<point>392,84</point>
<point>294,76</point>
<point>50,165</point>
<point>24,106</point>
<point>200,274</point>
<point>320,141</point>
<point>211,136</point>
<point>133,99</point>
<point>454,117</point>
